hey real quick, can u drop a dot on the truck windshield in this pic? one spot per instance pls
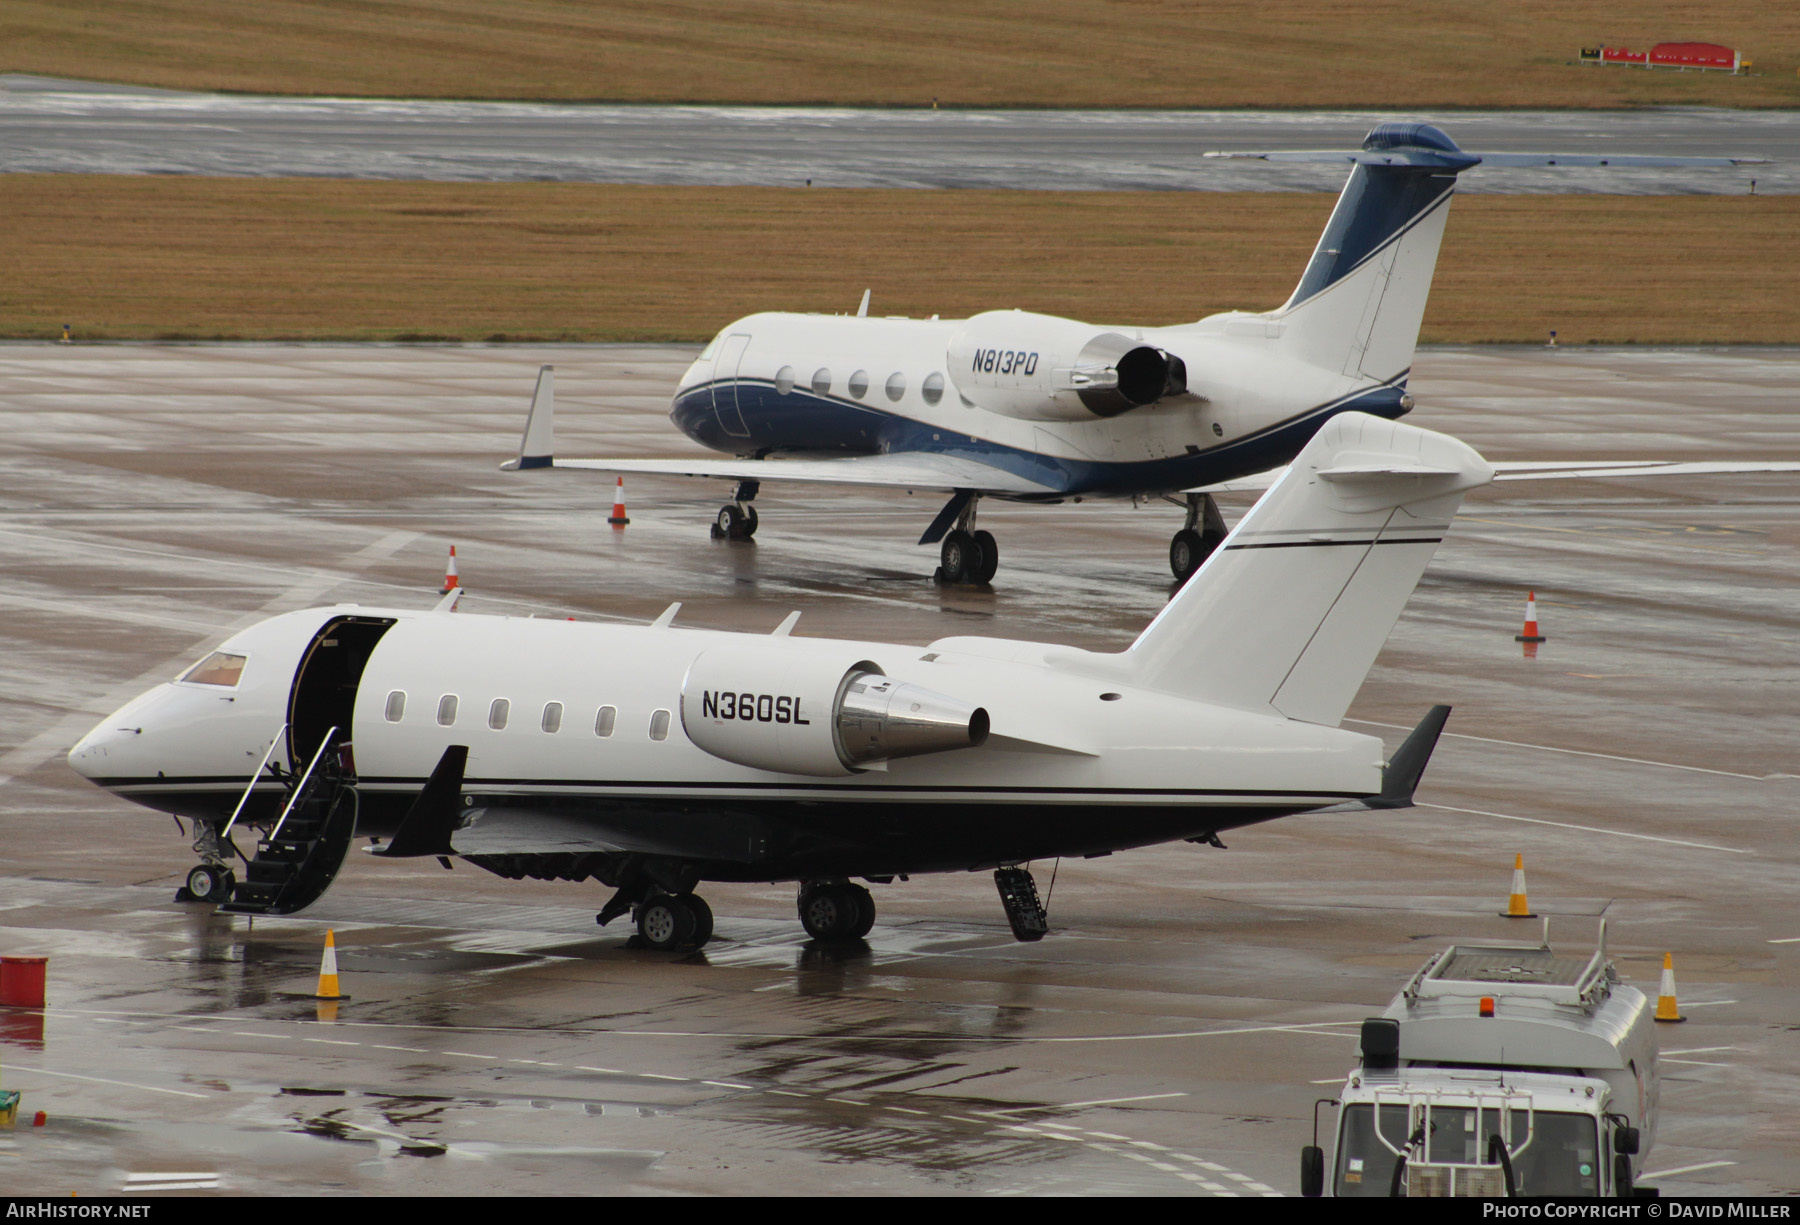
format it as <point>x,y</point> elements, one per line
<point>1562,1157</point>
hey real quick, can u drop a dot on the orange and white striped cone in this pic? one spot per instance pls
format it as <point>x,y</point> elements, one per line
<point>1666,1009</point>
<point>451,582</point>
<point>1530,633</point>
<point>618,516</point>
<point>328,974</point>
<point>1517,907</point>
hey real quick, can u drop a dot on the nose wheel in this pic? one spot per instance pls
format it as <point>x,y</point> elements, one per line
<point>208,882</point>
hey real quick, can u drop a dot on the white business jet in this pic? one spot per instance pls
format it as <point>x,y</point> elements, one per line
<point>1034,408</point>
<point>653,758</point>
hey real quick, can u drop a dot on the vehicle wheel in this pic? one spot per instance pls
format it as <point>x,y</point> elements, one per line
<point>703,919</point>
<point>990,556</point>
<point>665,922</point>
<point>730,523</point>
<point>750,520</point>
<point>961,557</point>
<point>865,911</point>
<point>206,882</point>
<point>1185,554</point>
<point>829,913</point>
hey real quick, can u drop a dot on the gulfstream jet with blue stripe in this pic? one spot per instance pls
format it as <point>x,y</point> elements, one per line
<point>1035,408</point>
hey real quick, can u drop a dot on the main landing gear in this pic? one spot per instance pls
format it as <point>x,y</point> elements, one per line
<point>835,911</point>
<point>667,922</point>
<point>737,518</point>
<point>968,557</point>
<point>1198,537</point>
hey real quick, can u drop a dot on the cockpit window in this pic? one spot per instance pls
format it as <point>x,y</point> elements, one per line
<point>706,354</point>
<point>216,669</point>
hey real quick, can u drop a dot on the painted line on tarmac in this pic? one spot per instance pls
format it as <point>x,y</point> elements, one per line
<point>1687,1169</point>
<point>1591,829</point>
<point>101,1080</point>
<point>1551,748</point>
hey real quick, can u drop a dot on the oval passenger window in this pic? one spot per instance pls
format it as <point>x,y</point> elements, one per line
<point>396,705</point>
<point>784,380</point>
<point>552,717</point>
<point>497,714</point>
<point>859,384</point>
<point>659,725</point>
<point>603,722</point>
<point>822,381</point>
<point>896,386</point>
<point>447,710</point>
<point>932,388</point>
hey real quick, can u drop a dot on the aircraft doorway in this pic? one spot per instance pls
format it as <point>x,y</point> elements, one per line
<point>324,693</point>
<point>725,388</point>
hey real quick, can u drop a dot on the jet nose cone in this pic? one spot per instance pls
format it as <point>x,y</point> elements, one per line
<point>95,754</point>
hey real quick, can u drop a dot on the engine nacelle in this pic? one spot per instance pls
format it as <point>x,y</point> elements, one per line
<point>1049,369</point>
<point>807,708</point>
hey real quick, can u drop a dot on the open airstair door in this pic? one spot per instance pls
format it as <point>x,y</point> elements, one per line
<point>301,854</point>
<point>324,692</point>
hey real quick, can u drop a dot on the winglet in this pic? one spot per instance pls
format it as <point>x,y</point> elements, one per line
<point>1400,777</point>
<point>862,312</point>
<point>428,824</point>
<point>537,449</point>
<point>668,617</point>
<point>448,603</point>
<point>787,625</point>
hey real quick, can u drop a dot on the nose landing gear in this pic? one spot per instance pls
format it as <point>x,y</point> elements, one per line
<point>737,518</point>
<point>210,880</point>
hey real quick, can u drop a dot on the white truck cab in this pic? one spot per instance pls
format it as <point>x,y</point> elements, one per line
<point>1497,1071</point>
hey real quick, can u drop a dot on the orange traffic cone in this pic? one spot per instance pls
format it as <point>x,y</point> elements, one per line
<point>451,582</point>
<point>618,516</point>
<point>1531,626</point>
<point>1666,1009</point>
<point>328,975</point>
<point>1516,905</point>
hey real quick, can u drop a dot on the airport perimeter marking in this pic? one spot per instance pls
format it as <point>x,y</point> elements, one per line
<point>1550,748</point>
<point>1591,829</point>
<point>101,1080</point>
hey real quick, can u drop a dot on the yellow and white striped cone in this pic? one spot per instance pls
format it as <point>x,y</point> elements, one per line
<point>328,975</point>
<point>1666,1009</point>
<point>1516,905</point>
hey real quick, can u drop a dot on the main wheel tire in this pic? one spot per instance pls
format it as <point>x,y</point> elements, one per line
<point>990,556</point>
<point>1186,552</point>
<point>865,911</point>
<point>207,883</point>
<point>961,557</point>
<point>829,913</point>
<point>703,919</point>
<point>666,922</point>
<point>730,523</point>
<point>750,520</point>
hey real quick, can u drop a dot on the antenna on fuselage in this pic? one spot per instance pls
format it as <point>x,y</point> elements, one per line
<point>862,312</point>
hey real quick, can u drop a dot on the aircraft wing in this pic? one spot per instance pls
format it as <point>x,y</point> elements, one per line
<point>915,470</point>
<point>1553,470</point>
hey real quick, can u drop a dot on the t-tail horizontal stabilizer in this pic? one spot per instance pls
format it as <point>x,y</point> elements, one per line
<point>537,449</point>
<point>432,818</point>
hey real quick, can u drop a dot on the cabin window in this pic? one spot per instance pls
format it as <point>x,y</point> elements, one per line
<point>784,380</point>
<point>396,706</point>
<point>447,710</point>
<point>932,388</point>
<point>859,384</point>
<point>822,381</point>
<point>659,725</point>
<point>896,386</point>
<point>497,714</point>
<point>216,669</point>
<point>605,720</point>
<point>552,720</point>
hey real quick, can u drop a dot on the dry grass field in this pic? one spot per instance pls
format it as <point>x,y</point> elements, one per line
<point>1083,53</point>
<point>146,258</point>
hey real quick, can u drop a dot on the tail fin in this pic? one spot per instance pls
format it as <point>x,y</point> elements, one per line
<point>537,447</point>
<point>1288,614</point>
<point>1359,303</point>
